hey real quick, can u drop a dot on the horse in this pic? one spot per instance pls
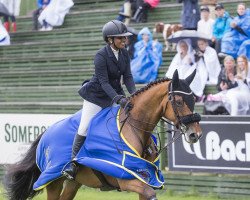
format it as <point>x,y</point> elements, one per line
<point>170,99</point>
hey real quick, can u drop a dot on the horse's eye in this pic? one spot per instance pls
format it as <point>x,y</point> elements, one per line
<point>179,103</point>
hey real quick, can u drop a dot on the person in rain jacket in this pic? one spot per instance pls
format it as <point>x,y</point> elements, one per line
<point>245,49</point>
<point>239,32</point>
<point>4,35</point>
<point>184,62</point>
<point>221,26</point>
<point>147,57</point>
<point>190,14</point>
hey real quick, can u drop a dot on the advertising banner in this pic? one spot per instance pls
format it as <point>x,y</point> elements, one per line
<point>18,131</point>
<point>223,148</point>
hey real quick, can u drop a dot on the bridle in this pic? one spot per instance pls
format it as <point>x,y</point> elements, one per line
<point>182,121</point>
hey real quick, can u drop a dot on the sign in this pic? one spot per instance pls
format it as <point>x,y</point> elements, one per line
<point>18,131</point>
<point>223,148</point>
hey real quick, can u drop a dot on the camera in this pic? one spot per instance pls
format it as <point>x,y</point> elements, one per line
<point>197,55</point>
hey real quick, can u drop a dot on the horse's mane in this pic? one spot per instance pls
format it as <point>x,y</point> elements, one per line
<point>151,84</point>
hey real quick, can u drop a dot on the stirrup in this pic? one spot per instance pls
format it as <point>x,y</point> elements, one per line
<point>71,172</point>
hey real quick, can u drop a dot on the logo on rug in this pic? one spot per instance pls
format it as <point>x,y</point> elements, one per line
<point>144,173</point>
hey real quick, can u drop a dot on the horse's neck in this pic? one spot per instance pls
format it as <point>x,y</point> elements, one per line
<point>148,105</point>
<point>146,113</point>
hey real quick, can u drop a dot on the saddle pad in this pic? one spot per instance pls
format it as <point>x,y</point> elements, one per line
<point>105,150</point>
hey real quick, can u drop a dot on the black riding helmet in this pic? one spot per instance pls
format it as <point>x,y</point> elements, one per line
<point>114,28</point>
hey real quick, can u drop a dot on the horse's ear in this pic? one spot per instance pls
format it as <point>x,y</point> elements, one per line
<point>190,78</point>
<point>175,80</point>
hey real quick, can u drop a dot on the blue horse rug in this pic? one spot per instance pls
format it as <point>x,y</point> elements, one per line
<point>105,150</point>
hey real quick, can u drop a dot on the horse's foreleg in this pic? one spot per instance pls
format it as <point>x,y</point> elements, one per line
<point>141,197</point>
<point>145,192</point>
<point>54,189</point>
<point>70,190</point>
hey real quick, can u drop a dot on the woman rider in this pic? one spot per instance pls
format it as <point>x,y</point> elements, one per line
<point>111,62</point>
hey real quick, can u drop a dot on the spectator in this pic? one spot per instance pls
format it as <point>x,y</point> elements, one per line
<point>54,13</point>
<point>125,12</point>
<point>243,71</point>
<point>211,5</point>
<point>239,32</point>
<point>239,97</point>
<point>221,26</point>
<point>13,6</point>
<point>41,4</point>
<point>184,62</point>
<point>142,7</point>
<point>131,40</point>
<point>4,35</point>
<point>190,14</point>
<point>245,49</point>
<point>207,56</point>
<point>234,92</point>
<point>205,25</point>
<point>226,77</point>
<point>147,57</point>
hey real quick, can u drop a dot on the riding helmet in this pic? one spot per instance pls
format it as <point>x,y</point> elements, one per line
<point>114,28</point>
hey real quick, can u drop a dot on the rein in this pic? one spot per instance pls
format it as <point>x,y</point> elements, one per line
<point>173,139</point>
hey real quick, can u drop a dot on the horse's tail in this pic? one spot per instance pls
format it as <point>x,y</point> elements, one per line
<point>21,176</point>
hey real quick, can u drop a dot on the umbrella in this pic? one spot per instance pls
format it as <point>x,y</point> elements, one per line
<point>4,10</point>
<point>185,34</point>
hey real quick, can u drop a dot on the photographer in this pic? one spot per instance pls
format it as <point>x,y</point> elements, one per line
<point>226,78</point>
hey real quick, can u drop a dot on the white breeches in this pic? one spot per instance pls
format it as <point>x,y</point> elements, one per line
<point>89,110</point>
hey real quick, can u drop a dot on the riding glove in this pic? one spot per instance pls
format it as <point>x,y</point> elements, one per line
<point>124,102</point>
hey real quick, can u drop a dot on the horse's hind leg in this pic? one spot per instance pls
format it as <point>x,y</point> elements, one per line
<point>70,190</point>
<point>54,189</point>
<point>145,192</point>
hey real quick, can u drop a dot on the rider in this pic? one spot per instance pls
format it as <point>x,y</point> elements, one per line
<point>111,62</point>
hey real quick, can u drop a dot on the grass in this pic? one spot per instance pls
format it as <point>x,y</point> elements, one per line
<point>93,194</point>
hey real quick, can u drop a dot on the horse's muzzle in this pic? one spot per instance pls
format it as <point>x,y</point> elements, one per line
<point>194,137</point>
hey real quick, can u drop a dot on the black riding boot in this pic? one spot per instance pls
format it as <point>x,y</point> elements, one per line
<point>78,142</point>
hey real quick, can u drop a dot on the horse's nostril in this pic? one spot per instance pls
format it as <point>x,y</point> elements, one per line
<point>193,137</point>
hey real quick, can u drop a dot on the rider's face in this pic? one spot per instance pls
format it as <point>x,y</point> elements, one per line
<point>120,42</point>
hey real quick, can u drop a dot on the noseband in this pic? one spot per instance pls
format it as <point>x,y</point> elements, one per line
<point>182,121</point>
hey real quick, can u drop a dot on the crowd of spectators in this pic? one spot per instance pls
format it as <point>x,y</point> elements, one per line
<point>49,13</point>
<point>230,41</point>
<point>207,58</point>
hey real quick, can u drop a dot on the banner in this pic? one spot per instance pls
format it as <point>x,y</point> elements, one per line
<point>223,148</point>
<point>18,131</point>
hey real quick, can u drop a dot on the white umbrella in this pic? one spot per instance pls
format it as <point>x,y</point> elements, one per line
<point>187,34</point>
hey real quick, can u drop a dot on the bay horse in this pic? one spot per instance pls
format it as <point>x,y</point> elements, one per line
<point>168,98</point>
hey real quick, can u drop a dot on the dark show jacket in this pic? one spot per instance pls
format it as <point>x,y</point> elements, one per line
<point>223,78</point>
<point>106,82</point>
